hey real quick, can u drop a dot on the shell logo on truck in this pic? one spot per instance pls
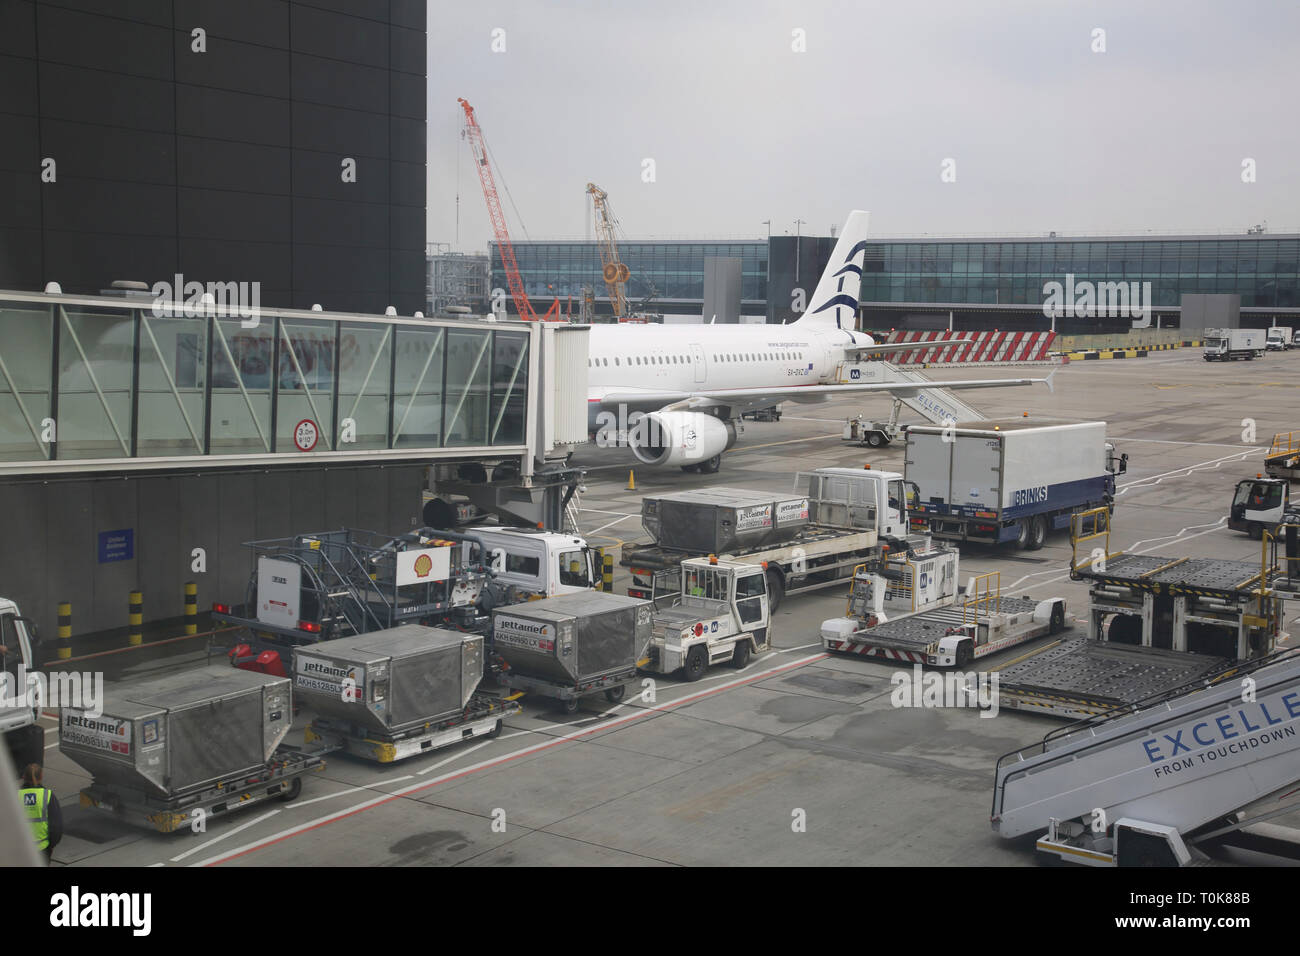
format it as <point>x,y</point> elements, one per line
<point>423,565</point>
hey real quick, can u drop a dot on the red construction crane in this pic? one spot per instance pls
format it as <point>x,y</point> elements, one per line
<point>474,134</point>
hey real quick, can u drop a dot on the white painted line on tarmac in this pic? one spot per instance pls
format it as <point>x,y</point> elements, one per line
<point>1150,481</point>
<point>492,762</point>
<point>218,839</point>
<point>453,757</point>
<point>343,793</point>
<point>608,523</point>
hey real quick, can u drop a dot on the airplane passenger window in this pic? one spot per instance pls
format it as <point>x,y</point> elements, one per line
<point>615,359</point>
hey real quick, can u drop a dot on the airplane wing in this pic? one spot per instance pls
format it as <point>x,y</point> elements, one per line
<point>745,398</point>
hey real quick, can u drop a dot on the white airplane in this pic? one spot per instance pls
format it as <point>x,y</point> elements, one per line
<point>674,393</point>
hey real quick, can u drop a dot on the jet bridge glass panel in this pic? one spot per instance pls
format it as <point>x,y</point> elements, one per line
<point>83,382</point>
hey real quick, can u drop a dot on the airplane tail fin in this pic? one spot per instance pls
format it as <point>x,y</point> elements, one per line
<point>834,303</point>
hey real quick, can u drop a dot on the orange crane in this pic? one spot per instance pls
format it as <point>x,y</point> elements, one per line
<point>474,134</point>
<point>613,271</point>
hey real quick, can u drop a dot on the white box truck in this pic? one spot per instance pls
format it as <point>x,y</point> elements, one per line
<point>999,482</point>
<point>1279,338</point>
<point>1225,345</point>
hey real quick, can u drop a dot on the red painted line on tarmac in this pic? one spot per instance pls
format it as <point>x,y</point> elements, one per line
<point>528,751</point>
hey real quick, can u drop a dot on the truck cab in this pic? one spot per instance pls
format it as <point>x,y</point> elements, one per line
<point>860,498</point>
<point>539,562</point>
<point>19,715</point>
<point>1259,503</point>
<point>719,613</point>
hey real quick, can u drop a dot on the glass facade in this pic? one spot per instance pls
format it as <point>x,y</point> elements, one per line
<point>87,382</point>
<point>660,271</point>
<point>1264,271</point>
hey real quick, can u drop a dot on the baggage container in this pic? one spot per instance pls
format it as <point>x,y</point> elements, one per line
<point>392,680</point>
<point>722,520</point>
<point>574,638</point>
<point>176,734</point>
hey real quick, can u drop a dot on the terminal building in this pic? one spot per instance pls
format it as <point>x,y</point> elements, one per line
<point>934,283</point>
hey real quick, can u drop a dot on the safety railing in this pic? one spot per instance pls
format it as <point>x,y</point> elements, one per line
<point>984,599</point>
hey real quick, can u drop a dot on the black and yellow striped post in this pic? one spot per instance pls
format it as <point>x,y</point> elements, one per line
<point>191,608</point>
<point>135,610</point>
<point>65,630</point>
<point>607,571</point>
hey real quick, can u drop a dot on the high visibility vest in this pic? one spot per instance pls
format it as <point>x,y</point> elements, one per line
<point>36,802</point>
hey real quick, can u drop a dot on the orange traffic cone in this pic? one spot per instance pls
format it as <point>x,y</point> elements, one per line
<point>631,481</point>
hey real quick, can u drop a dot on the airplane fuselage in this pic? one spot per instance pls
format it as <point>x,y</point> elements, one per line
<point>688,358</point>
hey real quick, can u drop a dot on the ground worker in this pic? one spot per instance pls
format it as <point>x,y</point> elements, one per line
<point>42,809</point>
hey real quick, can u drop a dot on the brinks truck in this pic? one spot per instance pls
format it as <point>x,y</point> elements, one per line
<point>1008,481</point>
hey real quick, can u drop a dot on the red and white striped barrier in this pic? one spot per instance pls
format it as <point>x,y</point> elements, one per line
<point>992,347</point>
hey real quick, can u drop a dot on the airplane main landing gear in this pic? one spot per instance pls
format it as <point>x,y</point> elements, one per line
<point>707,467</point>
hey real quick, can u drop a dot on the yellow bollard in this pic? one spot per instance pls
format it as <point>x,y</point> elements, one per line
<point>135,611</point>
<point>65,630</point>
<point>631,481</point>
<point>191,608</point>
<point>607,572</point>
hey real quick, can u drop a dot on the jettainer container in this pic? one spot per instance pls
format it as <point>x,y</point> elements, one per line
<point>181,733</point>
<point>721,520</point>
<point>392,680</point>
<point>569,646</point>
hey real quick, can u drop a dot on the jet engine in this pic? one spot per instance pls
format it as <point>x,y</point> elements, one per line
<point>680,438</point>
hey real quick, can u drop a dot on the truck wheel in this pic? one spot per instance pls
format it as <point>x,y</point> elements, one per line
<point>875,439</point>
<point>711,466</point>
<point>1056,623</point>
<point>741,655</point>
<point>964,653</point>
<point>1022,535</point>
<point>775,591</point>
<point>697,662</point>
<point>570,705</point>
<point>1037,532</point>
<point>1256,531</point>
<point>292,791</point>
<point>615,694</point>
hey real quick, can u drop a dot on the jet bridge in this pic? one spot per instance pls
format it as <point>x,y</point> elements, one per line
<point>1145,784</point>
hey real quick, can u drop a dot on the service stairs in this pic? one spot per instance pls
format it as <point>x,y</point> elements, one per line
<point>931,401</point>
<point>1226,750</point>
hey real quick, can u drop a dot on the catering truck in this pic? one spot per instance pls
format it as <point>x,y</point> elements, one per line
<point>1225,345</point>
<point>1008,481</point>
<point>811,537</point>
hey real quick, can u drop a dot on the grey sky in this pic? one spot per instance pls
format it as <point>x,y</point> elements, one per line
<point>1046,134</point>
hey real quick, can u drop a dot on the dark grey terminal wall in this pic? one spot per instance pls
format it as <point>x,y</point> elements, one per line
<point>223,165</point>
<point>53,551</point>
